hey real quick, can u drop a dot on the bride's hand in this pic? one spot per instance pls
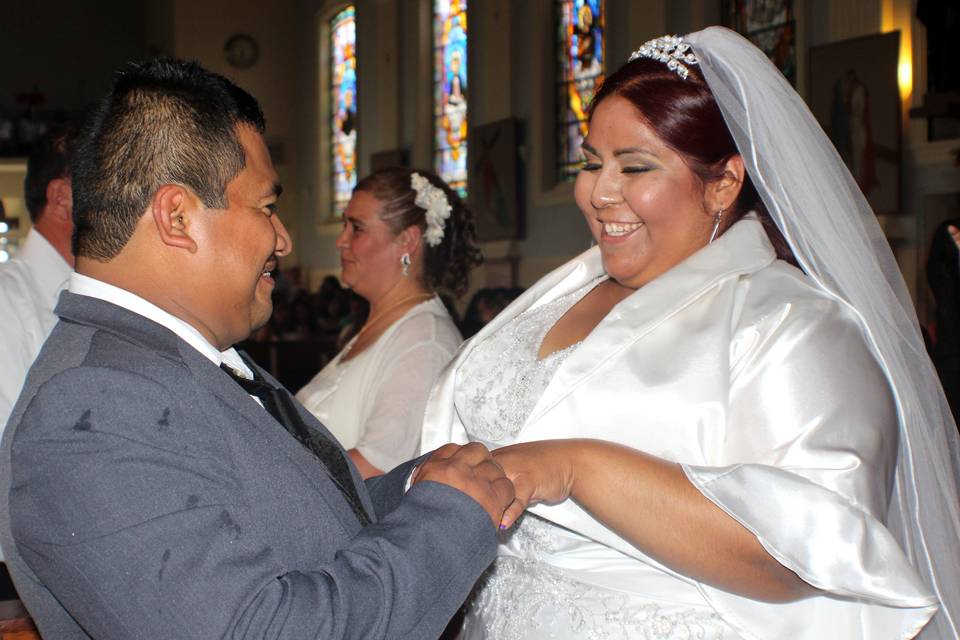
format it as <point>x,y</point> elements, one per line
<point>541,471</point>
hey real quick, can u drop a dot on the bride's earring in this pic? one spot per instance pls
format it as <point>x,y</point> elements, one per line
<point>405,264</point>
<point>716,225</point>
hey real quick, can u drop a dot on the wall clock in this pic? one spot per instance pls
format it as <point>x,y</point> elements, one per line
<point>241,51</point>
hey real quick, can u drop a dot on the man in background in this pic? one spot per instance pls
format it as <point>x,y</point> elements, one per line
<point>32,280</point>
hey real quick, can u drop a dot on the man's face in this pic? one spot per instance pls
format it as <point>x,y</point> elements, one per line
<point>238,249</point>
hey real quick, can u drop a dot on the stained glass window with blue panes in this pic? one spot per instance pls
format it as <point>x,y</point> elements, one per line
<point>450,91</point>
<point>580,40</point>
<point>343,106</point>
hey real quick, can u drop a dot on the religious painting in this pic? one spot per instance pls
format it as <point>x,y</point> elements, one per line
<point>450,92</point>
<point>343,106</point>
<point>855,97</point>
<point>494,196</point>
<point>770,25</point>
<point>580,58</point>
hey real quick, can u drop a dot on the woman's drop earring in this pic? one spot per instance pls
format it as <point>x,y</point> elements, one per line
<point>716,225</point>
<point>405,264</point>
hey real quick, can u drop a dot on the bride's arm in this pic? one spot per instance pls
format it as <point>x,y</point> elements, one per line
<point>811,435</point>
<point>650,503</point>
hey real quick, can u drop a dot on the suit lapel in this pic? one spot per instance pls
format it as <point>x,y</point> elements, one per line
<point>311,421</point>
<point>163,342</point>
<point>261,425</point>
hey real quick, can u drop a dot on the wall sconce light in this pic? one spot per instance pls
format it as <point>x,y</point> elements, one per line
<point>905,70</point>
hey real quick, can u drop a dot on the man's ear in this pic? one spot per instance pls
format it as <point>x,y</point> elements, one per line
<point>723,192</point>
<point>59,199</point>
<point>172,207</point>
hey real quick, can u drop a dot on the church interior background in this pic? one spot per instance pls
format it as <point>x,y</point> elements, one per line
<point>489,93</point>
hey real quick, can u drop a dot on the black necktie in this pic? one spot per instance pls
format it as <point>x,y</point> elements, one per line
<point>278,404</point>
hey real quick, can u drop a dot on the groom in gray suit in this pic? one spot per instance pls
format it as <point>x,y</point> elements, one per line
<point>156,484</point>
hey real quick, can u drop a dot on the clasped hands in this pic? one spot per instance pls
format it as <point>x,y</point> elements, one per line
<point>506,481</point>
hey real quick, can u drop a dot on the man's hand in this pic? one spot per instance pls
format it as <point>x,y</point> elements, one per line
<point>541,471</point>
<point>471,469</point>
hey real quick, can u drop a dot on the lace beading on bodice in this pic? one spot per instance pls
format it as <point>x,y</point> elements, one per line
<point>503,379</point>
<point>523,595</point>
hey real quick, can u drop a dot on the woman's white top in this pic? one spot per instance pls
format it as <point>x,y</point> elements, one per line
<point>374,402</point>
<point>766,392</point>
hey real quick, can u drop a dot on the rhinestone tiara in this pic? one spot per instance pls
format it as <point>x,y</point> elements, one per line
<point>671,50</point>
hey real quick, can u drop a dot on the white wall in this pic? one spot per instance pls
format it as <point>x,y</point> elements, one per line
<point>511,58</point>
<point>67,50</point>
<point>200,30</point>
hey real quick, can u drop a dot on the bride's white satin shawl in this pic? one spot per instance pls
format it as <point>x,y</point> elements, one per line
<point>764,390</point>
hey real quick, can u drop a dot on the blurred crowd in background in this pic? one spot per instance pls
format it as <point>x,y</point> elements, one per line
<point>308,329</point>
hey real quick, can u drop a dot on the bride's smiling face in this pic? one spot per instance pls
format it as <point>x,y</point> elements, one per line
<point>644,205</point>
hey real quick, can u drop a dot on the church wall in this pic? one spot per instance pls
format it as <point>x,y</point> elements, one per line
<point>511,54</point>
<point>511,75</point>
<point>46,59</point>
<point>200,30</point>
<point>511,58</point>
<point>45,45</point>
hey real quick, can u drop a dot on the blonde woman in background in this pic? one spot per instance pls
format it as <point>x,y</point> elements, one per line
<point>406,234</point>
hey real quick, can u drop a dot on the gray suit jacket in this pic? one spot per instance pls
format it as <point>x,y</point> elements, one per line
<point>143,494</point>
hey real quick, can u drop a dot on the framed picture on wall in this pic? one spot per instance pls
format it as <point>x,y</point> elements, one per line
<point>855,97</point>
<point>770,25</point>
<point>494,196</point>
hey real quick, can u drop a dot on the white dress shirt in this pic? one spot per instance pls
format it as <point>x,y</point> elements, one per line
<point>29,286</point>
<point>87,286</point>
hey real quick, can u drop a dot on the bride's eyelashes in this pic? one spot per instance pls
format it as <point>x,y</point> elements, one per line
<point>591,165</point>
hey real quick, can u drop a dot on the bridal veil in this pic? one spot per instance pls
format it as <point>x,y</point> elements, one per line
<point>835,236</point>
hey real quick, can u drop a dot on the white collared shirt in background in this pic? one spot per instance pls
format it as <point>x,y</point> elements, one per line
<point>29,286</point>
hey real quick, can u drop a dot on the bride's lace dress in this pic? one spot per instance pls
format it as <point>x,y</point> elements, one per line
<point>549,582</point>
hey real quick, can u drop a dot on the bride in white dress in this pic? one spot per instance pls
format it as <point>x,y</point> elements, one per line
<point>723,414</point>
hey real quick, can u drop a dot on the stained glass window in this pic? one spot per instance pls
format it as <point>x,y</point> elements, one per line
<point>343,106</point>
<point>580,33</point>
<point>450,91</point>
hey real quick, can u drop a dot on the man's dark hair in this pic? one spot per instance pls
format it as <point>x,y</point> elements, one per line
<point>163,122</point>
<point>49,160</point>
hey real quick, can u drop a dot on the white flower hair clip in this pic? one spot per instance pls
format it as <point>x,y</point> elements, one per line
<point>432,199</point>
<point>671,50</point>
